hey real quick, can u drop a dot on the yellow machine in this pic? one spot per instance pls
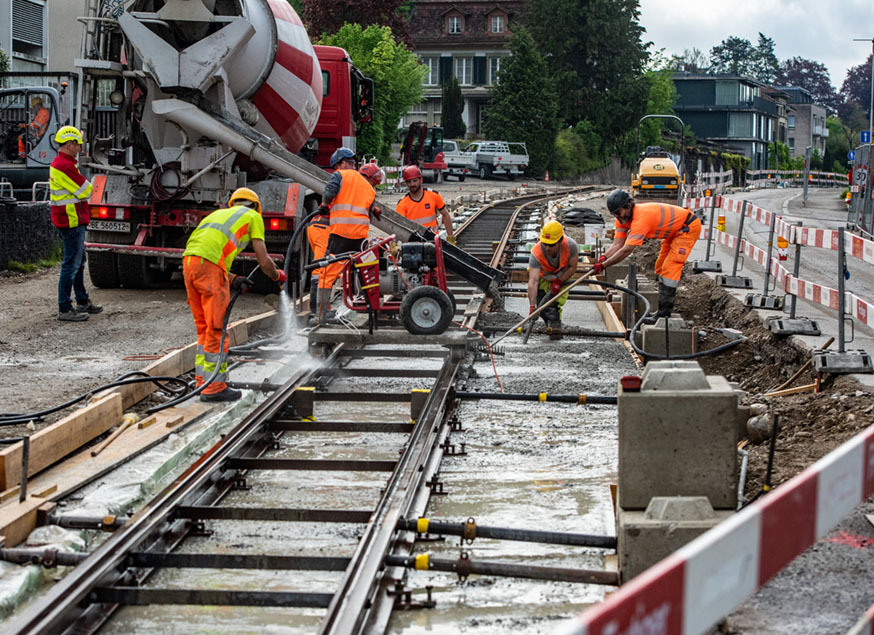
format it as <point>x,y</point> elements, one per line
<point>657,176</point>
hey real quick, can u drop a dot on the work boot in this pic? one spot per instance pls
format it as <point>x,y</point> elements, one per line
<point>228,394</point>
<point>667,296</point>
<point>89,307</point>
<point>72,316</point>
<point>550,314</point>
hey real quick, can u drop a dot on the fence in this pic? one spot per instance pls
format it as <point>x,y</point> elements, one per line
<point>26,232</point>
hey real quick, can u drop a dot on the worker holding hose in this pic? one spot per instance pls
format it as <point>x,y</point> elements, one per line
<point>209,254</point>
<point>552,263</point>
<point>348,200</point>
<point>678,229</point>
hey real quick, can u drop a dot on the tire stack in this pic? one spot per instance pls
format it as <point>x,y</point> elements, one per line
<point>26,232</point>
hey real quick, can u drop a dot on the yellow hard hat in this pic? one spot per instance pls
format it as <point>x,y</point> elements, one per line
<point>68,133</point>
<point>245,194</point>
<point>551,233</point>
<point>36,101</point>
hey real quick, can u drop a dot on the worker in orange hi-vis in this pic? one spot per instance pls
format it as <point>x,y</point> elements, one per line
<point>318,231</point>
<point>422,205</point>
<point>348,200</point>
<point>206,261</point>
<point>37,126</point>
<point>678,229</point>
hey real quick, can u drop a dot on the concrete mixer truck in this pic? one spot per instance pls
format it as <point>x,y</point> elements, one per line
<point>180,72</point>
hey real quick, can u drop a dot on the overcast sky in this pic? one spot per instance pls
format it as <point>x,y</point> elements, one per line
<point>813,29</point>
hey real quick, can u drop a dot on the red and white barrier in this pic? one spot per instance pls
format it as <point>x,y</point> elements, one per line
<point>692,589</point>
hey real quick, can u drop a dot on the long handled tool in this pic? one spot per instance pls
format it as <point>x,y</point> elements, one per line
<point>540,309</point>
<point>531,324</point>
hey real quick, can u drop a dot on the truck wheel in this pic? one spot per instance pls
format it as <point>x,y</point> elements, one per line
<point>103,270</point>
<point>426,311</point>
<point>482,172</point>
<point>511,176</point>
<point>134,272</point>
<point>461,178</point>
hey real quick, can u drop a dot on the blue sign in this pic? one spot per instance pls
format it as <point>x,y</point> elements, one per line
<point>866,136</point>
<point>851,155</point>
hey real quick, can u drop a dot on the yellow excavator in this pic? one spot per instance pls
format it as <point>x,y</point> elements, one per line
<point>657,176</point>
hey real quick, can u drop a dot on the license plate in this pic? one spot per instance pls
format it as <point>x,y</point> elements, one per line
<point>109,226</point>
<point>659,187</point>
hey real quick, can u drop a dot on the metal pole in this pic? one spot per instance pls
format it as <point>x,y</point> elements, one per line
<point>841,265</point>
<point>710,226</point>
<point>447,528</point>
<point>796,269</point>
<point>740,232</point>
<point>871,111</point>
<point>807,151</point>
<point>770,252</point>
<point>631,301</point>
<point>25,458</point>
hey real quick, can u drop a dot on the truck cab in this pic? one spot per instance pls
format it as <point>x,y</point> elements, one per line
<point>29,119</point>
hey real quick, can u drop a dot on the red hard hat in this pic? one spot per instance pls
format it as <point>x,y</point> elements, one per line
<point>412,172</point>
<point>373,172</point>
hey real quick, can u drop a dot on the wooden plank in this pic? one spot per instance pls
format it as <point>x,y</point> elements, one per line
<point>181,361</point>
<point>613,323</point>
<point>56,441</point>
<point>792,391</point>
<point>17,520</point>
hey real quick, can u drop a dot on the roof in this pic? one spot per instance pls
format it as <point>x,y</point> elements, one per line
<point>427,21</point>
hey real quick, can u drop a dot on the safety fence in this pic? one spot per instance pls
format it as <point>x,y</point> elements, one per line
<point>792,234</point>
<point>772,178</point>
<point>695,587</point>
<point>708,183</point>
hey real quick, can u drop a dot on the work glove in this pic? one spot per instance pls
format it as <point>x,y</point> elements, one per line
<point>324,209</point>
<point>531,309</point>
<point>282,277</point>
<point>555,287</point>
<point>599,266</point>
<point>376,212</point>
<point>452,240</point>
<point>241,284</point>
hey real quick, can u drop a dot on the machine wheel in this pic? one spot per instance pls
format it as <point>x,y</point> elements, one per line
<point>484,173</point>
<point>134,272</point>
<point>453,303</point>
<point>103,270</point>
<point>426,311</point>
<point>511,176</point>
<point>461,178</point>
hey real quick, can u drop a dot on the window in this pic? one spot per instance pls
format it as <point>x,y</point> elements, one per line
<point>726,93</point>
<point>454,25</point>
<point>740,124</point>
<point>494,67</point>
<point>464,70</point>
<point>497,24</point>
<point>792,144</point>
<point>431,64</point>
<point>326,84</point>
<point>791,122</point>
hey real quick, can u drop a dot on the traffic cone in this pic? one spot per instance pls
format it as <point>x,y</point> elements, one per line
<point>547,176</point>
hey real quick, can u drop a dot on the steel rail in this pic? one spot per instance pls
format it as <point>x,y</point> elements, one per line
<point>67,601</point>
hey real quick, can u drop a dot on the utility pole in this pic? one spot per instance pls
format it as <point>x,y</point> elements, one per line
<point>871,103</point>
<point>806,174</point>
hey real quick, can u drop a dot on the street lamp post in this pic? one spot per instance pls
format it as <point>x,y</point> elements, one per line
<point>871,103</point>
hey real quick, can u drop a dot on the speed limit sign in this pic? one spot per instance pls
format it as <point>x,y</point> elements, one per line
<point>860,175</point>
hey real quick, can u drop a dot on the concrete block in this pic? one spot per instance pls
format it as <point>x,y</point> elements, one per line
<point>646,537</point>
<point>645,287</point>
<point>615,273</point>
<point>680,339</point>
<point>678,436</point>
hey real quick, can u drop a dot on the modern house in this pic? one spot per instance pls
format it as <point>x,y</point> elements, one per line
<point>467,40</point>
<point>729,110</point>
<point>807,124</point>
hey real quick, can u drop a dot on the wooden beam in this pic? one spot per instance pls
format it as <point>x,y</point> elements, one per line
<point>792,391</point>
<point>56,441</point>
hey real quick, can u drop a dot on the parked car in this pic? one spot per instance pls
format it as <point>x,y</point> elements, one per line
<point>497,157</point>
<point>459,164</point>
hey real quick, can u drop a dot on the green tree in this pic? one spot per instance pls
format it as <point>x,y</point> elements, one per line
<point>397,81</point>
<point>4,61</point>
<point>660,101</point>
<point>595,57</point>
<point>523,105</point>
<point>837,145</point>
<point>765,64</point>
<point>329,17</point>
<point>451,109</point>
<point>732,56</point>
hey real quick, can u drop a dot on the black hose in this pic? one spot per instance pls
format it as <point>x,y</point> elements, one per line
<point>18,419</point>
<point>636,326</point>
<point>294,238</point>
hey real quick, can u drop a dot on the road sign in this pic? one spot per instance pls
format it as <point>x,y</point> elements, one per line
<point>865,136</point>
<point>851,155</point>
<point>860,175</point>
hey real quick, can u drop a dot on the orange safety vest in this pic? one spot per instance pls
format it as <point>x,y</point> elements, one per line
<point>545,267</point>
<point>654,220</point>
<point>423,211</point>
<point>350,209</point>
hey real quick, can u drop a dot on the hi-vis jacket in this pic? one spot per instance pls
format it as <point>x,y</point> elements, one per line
<point>424,211</point>
<point>350,208</point>
<point>564,257</point>
<point>69,192</point>
<point>225,233</point>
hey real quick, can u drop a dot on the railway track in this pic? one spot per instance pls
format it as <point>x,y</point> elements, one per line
<point>341,567</point>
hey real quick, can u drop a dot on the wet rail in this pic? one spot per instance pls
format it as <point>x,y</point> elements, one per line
<point>173,531</point>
